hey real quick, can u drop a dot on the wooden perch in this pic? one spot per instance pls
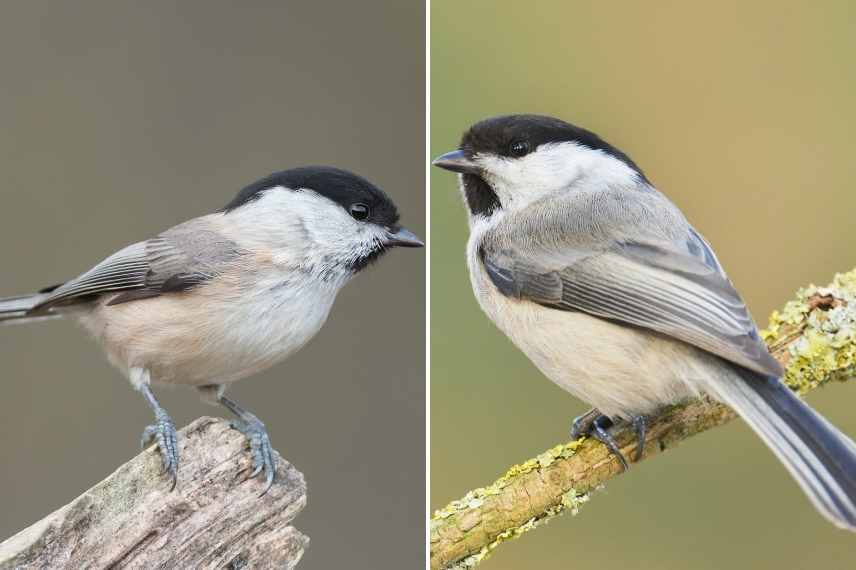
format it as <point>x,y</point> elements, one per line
<point>214,518</point>
<point>814,337</point>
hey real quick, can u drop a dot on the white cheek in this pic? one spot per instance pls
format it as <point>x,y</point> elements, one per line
<point>522,180</point>
<point>546,170</point>
<point>550,168</point>
<point>272,222</point>
<point>300,228</point>
<point>324,222</point>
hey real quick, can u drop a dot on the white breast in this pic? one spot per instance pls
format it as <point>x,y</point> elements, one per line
<point>219,333</point>
<point>619,370</point>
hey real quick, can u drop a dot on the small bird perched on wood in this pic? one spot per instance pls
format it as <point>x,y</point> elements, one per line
<point>600,280</point>
<point>223,296</point>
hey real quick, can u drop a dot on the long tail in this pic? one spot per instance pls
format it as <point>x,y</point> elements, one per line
<point>14,310</point>
<point>817,455</point>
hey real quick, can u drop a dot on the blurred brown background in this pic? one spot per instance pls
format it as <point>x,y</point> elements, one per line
<point>120,119</point>
<point>743,113</point>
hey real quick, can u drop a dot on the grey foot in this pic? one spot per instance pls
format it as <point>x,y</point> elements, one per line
<point>260,448</point>
<point>640,426</point>
<point>582,424</point>
<point>596,425</point>
<point>600,431</point>
<point>256,434</point>
<point>162,432</point>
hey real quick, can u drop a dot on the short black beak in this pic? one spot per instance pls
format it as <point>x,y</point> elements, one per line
<point>457,161</point>
<point>402,237</point>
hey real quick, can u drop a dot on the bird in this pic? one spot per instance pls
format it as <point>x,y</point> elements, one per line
<point>225,295</point>
<point>600,280</point>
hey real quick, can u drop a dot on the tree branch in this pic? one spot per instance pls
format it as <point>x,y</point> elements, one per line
<point>814,337</point>
<point>214,518</point>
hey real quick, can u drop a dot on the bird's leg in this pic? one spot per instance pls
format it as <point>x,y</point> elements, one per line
<point>596,425</point>
<point>582,424</point>
<point>640,426</point>
<point>256,433</point>
<point>600,431</point>
<point>162,432</point>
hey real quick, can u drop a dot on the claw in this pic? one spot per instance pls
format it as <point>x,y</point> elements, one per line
<point>148,435</point>
<point>257,436</point>
<point>260,449</point>
<point>256,471</point>
<point>271,473</point>
<point>163,434</point>
<point>596,425</point>
<point>268,482</point>
<point>581,425</point>
<point>600,431</point>
<point>640,425</point>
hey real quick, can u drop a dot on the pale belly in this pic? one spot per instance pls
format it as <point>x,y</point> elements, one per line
<point>208,337</point>
<point>620,370</point>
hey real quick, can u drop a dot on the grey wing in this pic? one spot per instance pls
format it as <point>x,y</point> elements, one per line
<point>174,261</point>
<point>676,289</point>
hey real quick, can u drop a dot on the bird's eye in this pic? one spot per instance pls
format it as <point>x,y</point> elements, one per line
<point>518,148</point>
<point>359,211</point>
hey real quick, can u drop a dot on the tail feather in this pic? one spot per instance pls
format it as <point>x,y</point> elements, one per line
<point>820,458</point>
<point>14,310</point>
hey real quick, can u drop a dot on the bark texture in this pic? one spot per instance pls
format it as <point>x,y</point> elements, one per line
<point>814,337</point>
<point>215,518</point>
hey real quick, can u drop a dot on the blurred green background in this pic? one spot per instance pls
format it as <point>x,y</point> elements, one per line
<point>119,119</point>
<point>743,113</point>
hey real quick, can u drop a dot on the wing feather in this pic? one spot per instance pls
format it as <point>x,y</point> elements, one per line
<point>175,261</point>
<point>678,289</point>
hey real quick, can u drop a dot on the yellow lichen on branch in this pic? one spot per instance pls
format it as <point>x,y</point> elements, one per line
<point>813,336</point>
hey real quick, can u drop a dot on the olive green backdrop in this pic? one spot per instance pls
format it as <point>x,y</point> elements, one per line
<point>120,119</point>
<point>743,113</point>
